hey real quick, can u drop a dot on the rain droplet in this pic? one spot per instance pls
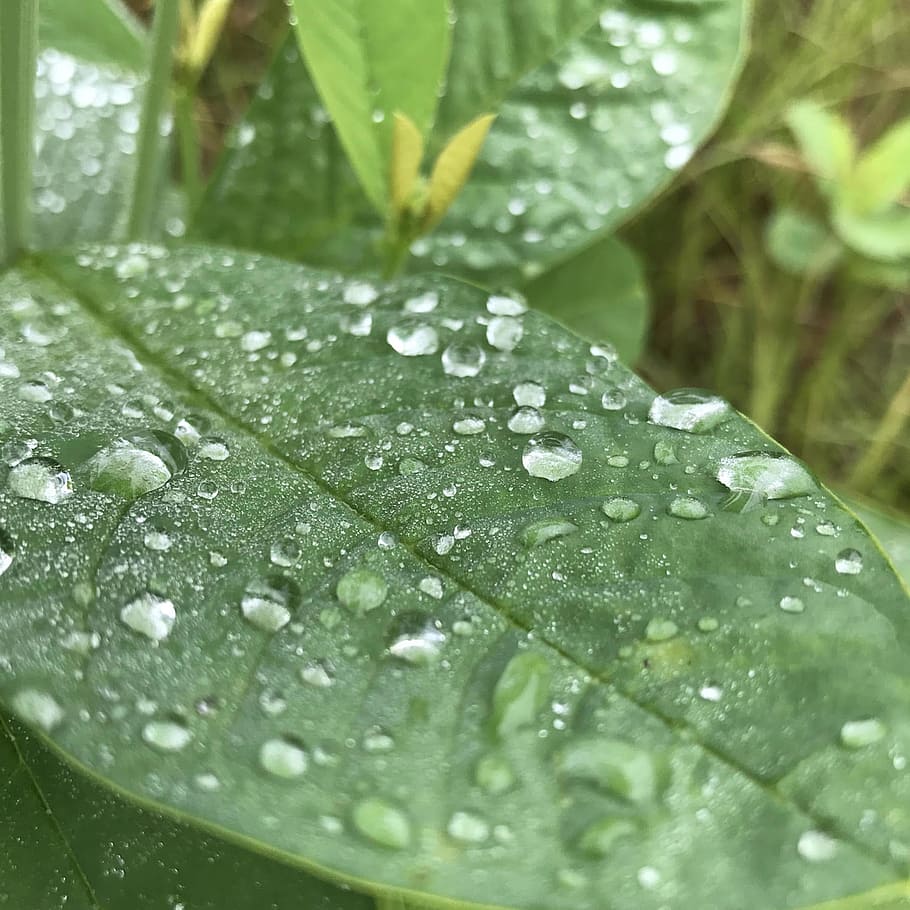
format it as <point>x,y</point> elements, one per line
<point>691,410</point>
<point>463,360</point>
<point>268,602</point>
<point>540,532</point>
<point>382,823</point>
<point>615,766</point>
<point>38,708</point>
<point>469,426</point>
<point>6,552</point>
<point>688,508</point>
<point>599,839</point>
<point>166,735</point>
<point>413,340</point>
<point>35,391</point>
<point>849,562</point>
<point>504,333</point>
<point>133,467</point>
<point>855,734</point>
<point>283,757</point>
<point>520,692</point>
<point>318,676</point>
<point>661,630</point>
<point>526,421</point>
<point>791,604</point>
<point>613,400</point>
<point>620,509</point>
<point>816,846</point>
<point>285,552</point>
<point>41,479</point>
<point>150,615</point>
<point>214,450</point>
<point>255,341</point>
<point>359,293</point>
<point>416,640</point>
<point>467,828</point>
<point>765,475</point>
<point>361,590</point>
<point>552,456</point>
<point>501,305</point>
<point>493,774</point>
<point>529,394</point>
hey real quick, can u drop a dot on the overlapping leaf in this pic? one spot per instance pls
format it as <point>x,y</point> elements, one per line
<point>313,586</point>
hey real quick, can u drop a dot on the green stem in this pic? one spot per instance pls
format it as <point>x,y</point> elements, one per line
<point>164,35</point>
<point>188,142</point>
<point>18,54</point>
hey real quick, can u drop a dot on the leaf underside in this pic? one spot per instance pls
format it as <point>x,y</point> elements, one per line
<point>574,672</point>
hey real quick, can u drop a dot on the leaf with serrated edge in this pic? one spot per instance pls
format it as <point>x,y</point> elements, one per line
<point>319,604</point>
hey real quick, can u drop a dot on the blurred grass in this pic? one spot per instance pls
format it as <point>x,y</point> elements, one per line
<point>817,364</point>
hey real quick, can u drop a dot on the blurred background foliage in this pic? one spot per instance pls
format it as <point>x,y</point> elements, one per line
<point>819,357</point>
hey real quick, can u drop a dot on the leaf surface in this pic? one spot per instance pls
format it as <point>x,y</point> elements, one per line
<point>417,649</point>
<point>67,841</point>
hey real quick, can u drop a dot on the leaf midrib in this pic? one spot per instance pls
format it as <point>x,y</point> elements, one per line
<point>184,384</point>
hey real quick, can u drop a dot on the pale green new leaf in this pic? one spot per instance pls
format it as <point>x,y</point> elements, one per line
<point>826,141</point>
<point>882,174</point>
<point>600,294</point>
<point>368,61</point>
<point>884,236</point>
<point>801,244</point>
<point>281,558</point>
<point>68,841</point>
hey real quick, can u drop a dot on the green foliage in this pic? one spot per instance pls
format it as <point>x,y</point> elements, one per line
<point>801,244</point>
<point>357,605</point>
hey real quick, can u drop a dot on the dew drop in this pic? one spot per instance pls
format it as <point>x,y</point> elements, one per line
<point>816,846</point>
<point>359,293</point>
<point>600,838</point>
<point>133,467</point>
<point>413,340</point>
<point>552,456</point>
<point>501,305</point>
<point>38,708</point>
<point>467,828</point>
<point>166,735</point>
<point>621,509</point>
<point>283,757</point>
<point>150,615</point>
<point>416,640</point>
<point>790,604</point>
<point>526,421</point>
<point>529,394</point>
<point>615,766</point>
<point>849,562</point>
<point>504,333</point>
<point>41,479</point>
<point>268,602</point>
<point>659,630</point>
<point>765,475</point>
<point>691,410</point>
<point>540,532</point>
<point>285,551</point>
<point>469,426</point>
<point>361,590</point>
<point>613,400</point>
<point>382,823</point>
<point>520,692</point>
<point>688,508</point>
<point>855,734</point>
<point>6,552</point>
<point>463,360</point>
<point>493,774</point>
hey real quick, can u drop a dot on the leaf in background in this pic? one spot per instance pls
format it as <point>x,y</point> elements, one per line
<point>884,236</point>
<point>882,174</point>
<point>600,294</point>
<point>93,31</point>
<point>893,534</point>
<point>370,60</point>
<point>67,841</point>
<point>801,244</point>
<point>826,142</point>
<point>313,536</point>
<point>407,154</point>
<point>578,145</point>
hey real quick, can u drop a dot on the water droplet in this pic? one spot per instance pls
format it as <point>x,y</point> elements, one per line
<point>416,640</point>
<point>35,391</point>
<point>665,453</point>
<point>38,708</point>
<point>529,394</point>
<point>826,529</point>
<point>613,400</point>
<point>659,629</point>
<point>504,333</point>
<point>816,847</point>
<point>6,552</point>
<point>285,551</point>
<point>268,602</point>
<point>849,562</point>
<point>150,615</point>
<point>413,340</point>
<point>526,421</point>
<point>620,509</point>
<point>493,774</point>
<point>133,467</point>
<point>469,426</point>
<point>157,539</point>
<point>520,692</point>
<point>283,757</point>
<point>255,341</point>
<point>167,735</point>
<point>615,766</point>
<point>540,532</point>
<point>359,293</point>
<point>599,839</point>
<point>214,450</point>
<point>382,823</point>
<point>361,590</point>
<point>501,305</point>
<point>691,410</point>
<point>765,475</point>
<point>791,604</point>
<point>855,734</point>
<point>463,360</point>
<point>467,828</point>
<point>552,456</point>
<point>688,508</point>
<point>376,740</point>
<point>318,676</point>
<point>41,479</point>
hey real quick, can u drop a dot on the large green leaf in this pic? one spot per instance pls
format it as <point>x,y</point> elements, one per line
<point>414,647</point>
<point>371,60</point>
<point>95,850</point>
<point>578,145</point>
<point>893,534</point>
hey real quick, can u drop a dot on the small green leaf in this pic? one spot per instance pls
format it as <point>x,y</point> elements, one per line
<point>801,244</point>
<point>883,236</point>
<point>882,174</point>
<point>453,167</point>
<point>407,154</point>
<point>826,141</point>
<point>370,60</point>
<point>891,531</point>
<point>600,294</point>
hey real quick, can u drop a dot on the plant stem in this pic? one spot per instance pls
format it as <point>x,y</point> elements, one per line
<point>188,142</point>
<point>18,54</point>
<point>892,424</point>
<point>164,35</point>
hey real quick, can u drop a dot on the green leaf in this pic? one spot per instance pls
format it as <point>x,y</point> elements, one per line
<point>884,236</point>
<point>892,532</point>
<point>579,144</point>
<point>334,547</point>
<point>826,142</point>
<point>801,244</point>
<point>68,841</point>
<point>600,294</point>
<point>94,31</point>
<point>370,59</point>
<point>882,175</point>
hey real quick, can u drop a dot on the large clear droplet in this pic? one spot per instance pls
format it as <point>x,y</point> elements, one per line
<point>6,552</point>
<point>413,340</point>
<point>268,602</point>
<point>283,757</point>
<point>529,394</point>
<point>463,360</point>
<point>382,823</point>
<point>691,410</point>
<point>849,562</point>
<point>552,456</point>
<point>361,590</point>
<point>41,479</point>
<point>526,421</point>
<point>755,476</point>
<point>167,735</point>
<point>416,640</point>
<point>38,708</point>
<point>150,615</point>
<point>135,466</point>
